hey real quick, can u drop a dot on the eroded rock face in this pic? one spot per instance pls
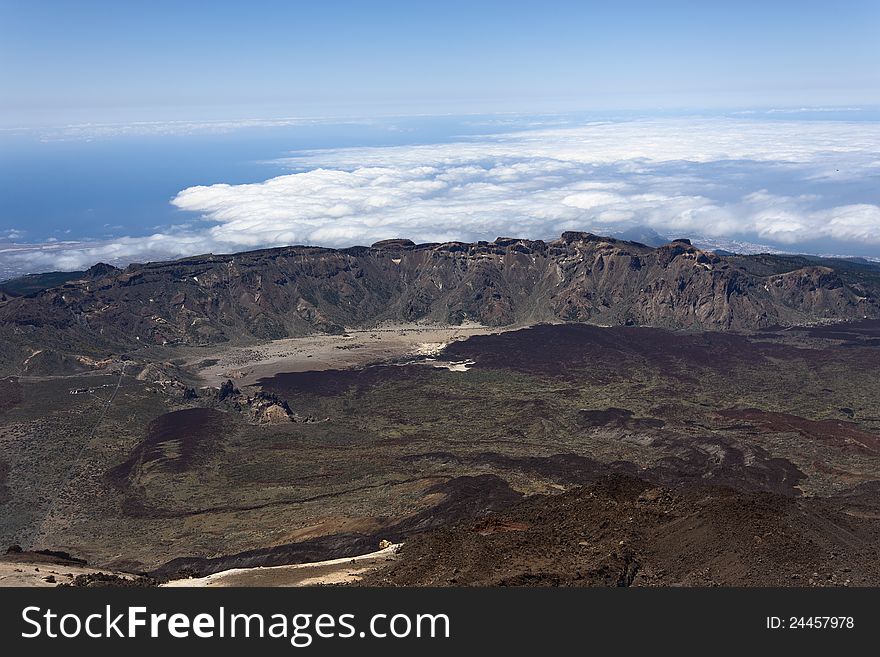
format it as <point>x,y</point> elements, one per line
<point>267,408</point>
<point>260,408</point>
<point>301,290</point>
<point>273,414</point>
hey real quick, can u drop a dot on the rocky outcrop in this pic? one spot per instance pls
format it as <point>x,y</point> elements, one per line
<point>267,408</point>
<point>261,407</point>
<point>299,290</point>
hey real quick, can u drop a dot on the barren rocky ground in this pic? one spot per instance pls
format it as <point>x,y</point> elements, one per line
<point>564,453</point>
<point>623,531</point>
<point>768,435</point>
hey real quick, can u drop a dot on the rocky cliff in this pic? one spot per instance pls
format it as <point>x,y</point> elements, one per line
<point>299,290</point>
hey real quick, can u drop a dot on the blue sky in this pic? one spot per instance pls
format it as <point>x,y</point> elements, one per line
<point>118,61</point>
<point>133,131</point>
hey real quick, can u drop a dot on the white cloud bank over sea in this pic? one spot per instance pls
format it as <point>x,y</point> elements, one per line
<point>783,182</point>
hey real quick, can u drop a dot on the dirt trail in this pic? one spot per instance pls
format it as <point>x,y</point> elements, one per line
<point>40,528</point>
<point>334,571</point>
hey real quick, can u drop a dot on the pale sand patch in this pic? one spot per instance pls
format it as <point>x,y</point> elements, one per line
<point>458,366</point>
<point>19,573</point>
<point>334,571</point>
<point>358,348</point>
<point>429,348</point>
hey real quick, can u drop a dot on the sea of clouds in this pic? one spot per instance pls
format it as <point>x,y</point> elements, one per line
<point>778,182</point>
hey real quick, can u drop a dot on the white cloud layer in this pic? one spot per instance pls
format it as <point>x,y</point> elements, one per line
<point>93,131</point>
<point>784,182</point>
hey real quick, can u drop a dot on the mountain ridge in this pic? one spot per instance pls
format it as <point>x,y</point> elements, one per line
<point>300,290</point>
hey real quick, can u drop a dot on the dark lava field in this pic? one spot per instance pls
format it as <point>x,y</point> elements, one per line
<point>565,454</point>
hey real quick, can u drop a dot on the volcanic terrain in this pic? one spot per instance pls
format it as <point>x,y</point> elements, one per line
<point>585,411</point>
